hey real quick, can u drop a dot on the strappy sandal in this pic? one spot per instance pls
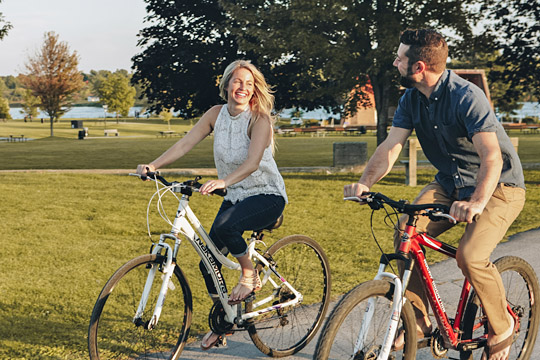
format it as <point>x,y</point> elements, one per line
<point>500,346</point>
<point>220,340</point>
<point>253,283</point>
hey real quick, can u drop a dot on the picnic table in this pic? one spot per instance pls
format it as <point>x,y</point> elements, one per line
<point>13,138</point>
<point>169,133</point>
<point>108,132</point>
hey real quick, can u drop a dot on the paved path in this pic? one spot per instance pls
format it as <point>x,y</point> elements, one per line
<point>525,245</point>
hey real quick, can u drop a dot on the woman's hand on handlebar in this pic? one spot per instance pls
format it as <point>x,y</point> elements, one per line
<point>143,169</point>
<point>354,190</point>
<point>211,186</point>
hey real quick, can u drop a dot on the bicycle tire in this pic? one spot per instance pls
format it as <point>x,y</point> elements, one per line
<point>112,333</point>
<point>303,263</point>
<point>340,333</point>
<point>522,290</point>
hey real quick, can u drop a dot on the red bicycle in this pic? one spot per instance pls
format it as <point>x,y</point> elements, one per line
<point>365,322</point>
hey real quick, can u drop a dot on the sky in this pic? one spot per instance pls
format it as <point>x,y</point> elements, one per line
<point>102,32</point>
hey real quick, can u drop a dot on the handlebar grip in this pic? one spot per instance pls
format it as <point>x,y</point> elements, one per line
<point>220,192</point>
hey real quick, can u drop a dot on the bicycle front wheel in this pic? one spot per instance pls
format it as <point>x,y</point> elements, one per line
<point>303,263</point>
<point>114,335</point>
<point>522,295</point>
<point>350,334</point>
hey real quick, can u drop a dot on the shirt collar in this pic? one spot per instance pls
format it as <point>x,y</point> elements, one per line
<point>441,85</point>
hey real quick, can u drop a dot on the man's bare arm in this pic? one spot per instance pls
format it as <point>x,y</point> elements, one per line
<point>381,162</point>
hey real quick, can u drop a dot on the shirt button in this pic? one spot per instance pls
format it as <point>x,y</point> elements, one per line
<point>435,127</point>
<point>453,159</point>
<point>436,99</point>
<point>457,176</point>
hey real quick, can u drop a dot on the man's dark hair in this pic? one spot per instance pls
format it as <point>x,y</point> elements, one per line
<point>426,45</point>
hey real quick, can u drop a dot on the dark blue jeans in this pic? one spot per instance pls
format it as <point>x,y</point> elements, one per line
<point>253,213</point>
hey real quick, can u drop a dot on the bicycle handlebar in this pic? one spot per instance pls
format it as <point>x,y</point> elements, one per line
<point>377,200</point>
<point>189,185</point>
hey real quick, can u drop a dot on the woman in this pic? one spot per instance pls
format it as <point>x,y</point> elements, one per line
<point>243,154</point>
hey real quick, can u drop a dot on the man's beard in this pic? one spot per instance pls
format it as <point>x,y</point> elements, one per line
<point>406,82</point>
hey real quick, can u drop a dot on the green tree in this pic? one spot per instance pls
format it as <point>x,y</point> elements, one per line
<point>515,26</point>
<point>186,49</point>
<point>324,52</point>
<point>52,76</point>
<point>5,26</point>
<point>166,115</point>
<point>116,92</point>
<point>30,104</point>
<point>4,109</point>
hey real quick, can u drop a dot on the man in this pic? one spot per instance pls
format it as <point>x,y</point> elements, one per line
<point>479,173</point>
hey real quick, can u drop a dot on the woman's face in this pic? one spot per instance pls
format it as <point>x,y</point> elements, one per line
<point>241,86</point>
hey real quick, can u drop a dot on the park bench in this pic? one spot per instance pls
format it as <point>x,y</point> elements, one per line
<point>108,132</point>
<point>522,127</point>
<point>169,133</point>
<point>411,148</point>
<point>13,138</point>
<point>286,132</point>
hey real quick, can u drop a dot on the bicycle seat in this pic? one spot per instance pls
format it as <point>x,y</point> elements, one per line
<point>272,226</point>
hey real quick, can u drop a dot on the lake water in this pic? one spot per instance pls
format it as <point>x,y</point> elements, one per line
<point>81,112</point>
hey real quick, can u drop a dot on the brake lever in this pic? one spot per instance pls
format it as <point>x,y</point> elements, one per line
<point>442,215</point>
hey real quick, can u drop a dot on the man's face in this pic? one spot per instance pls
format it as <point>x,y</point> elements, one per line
<point>404,68</point>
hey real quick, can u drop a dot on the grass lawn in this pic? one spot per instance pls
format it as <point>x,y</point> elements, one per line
<point>65,234</point>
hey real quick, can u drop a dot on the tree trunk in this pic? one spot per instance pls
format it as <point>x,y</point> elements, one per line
<point>52,120</point>
<point>381,92</point>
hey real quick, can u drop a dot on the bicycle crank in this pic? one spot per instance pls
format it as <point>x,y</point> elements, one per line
<point>216,320</point>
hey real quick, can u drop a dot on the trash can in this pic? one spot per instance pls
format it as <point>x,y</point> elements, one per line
<point>76,124</point>
<point>81,134</point>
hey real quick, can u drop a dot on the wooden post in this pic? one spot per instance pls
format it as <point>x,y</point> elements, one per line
<point>411,176</point>
<point>515,142</point>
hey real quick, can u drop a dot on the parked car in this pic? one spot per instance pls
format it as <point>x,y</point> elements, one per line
<point>296,121</point>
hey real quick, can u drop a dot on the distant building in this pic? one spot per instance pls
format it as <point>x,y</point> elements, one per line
<point>93,99</point>
<point>364,115</point>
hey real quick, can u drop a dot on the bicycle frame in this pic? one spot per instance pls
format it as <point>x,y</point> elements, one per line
<point>411,243</point>
<point>187,223</point>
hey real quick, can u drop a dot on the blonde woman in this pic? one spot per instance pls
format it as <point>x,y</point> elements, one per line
<point>243,154</point>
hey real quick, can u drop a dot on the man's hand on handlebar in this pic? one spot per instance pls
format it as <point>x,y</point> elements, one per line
<point>355,191</point>
<point>466,211</point>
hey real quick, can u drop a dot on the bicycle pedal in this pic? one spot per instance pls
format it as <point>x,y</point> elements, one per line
<point>222,341</point>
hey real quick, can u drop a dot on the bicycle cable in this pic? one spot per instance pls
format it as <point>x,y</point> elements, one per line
<point>393,225</point>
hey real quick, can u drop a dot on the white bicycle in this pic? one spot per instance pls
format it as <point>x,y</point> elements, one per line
<point>145,309</point>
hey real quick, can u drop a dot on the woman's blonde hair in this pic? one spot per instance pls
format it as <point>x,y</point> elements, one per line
<point>262,101</point>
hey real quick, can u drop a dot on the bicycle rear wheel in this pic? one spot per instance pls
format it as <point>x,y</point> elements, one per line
<point>113,334</point>
<point>340,335</point>
<point>522,294</point>
<point>303,263</point>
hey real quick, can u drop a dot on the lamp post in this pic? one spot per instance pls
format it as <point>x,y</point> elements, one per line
<point>105,115</point>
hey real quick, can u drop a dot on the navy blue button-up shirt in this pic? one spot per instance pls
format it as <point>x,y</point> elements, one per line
<point>445,124</point>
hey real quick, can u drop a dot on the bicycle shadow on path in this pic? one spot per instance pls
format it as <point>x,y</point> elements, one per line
<point>449,280</point>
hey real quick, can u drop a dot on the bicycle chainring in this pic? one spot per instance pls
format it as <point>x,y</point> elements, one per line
<point>216,320</point>
<point>437,345</point>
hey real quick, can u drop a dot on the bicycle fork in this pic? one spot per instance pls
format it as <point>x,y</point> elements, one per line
<point>397,304</point>
<point>168,269</point>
